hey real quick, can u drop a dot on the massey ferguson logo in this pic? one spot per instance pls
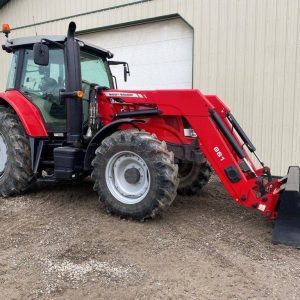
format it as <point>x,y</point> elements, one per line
<point>128,95</point>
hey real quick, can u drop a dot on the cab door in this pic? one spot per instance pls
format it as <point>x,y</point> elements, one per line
<point>42,85</point>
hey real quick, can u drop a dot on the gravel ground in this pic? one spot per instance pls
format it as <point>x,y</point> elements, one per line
<point>58,242</point>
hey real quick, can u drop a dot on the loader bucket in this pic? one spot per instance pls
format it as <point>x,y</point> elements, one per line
<point>287,225</point>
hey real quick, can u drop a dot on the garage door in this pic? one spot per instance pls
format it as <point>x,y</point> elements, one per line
<point>159,54</point>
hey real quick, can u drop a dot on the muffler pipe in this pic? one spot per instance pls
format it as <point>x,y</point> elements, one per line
<point>73,84</point>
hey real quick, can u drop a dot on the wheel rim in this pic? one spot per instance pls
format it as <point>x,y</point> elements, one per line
<point>127,177</point>
<point>3,154</point>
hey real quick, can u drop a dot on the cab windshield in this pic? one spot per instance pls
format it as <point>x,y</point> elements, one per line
<point>42,84</point>
<point>94,70</point>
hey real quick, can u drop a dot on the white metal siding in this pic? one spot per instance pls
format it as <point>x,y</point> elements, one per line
<point>245,51</point>
<point>161,60</point>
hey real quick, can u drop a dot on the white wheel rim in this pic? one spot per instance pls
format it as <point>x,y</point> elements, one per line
<point>3,154</point>
<point>117,173</point>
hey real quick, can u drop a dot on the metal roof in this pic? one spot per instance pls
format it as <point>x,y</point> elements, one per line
<point>21,42</point>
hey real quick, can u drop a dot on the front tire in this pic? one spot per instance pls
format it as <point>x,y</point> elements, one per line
<point>15,158</point>
<point>193,177</point>
<point>135,175</point>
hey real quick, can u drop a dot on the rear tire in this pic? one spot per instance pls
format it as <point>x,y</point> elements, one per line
<point>193,177</point>
<point>15,167</point>
<point>135,175</point>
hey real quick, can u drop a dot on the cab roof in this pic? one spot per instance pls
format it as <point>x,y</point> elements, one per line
<point>12,44</point>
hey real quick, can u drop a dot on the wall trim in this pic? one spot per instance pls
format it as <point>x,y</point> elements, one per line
<point>129,24</point>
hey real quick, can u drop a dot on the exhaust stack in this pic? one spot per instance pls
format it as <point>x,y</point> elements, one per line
<point>73,84</point>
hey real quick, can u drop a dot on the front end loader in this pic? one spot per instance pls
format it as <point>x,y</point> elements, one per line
<point>62,119</point>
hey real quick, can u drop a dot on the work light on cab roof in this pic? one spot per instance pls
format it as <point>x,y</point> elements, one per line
<point>6,29</point>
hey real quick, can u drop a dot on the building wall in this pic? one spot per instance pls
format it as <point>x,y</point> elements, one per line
<point>245,51</point>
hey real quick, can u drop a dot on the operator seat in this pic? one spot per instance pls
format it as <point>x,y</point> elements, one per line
<point>49,88</point>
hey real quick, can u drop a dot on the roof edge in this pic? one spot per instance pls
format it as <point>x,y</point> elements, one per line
<point>23,41</point>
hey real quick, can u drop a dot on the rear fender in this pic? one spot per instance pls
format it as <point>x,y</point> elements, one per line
<point>28,114</point>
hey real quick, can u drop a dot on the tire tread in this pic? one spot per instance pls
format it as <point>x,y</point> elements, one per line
<point>162,159</point>
<point>18,176</point>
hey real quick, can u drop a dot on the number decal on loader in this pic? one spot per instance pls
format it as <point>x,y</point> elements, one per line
<point>219,153</point>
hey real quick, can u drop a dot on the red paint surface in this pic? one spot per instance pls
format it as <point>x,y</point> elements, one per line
<point>27,113</point>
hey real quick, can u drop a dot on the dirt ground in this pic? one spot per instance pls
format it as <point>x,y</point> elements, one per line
<point>58,242</point>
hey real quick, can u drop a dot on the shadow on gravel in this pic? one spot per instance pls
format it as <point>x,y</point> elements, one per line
<point>86,185</point>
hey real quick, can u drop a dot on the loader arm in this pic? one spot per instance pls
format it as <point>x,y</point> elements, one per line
<point>209,117</point>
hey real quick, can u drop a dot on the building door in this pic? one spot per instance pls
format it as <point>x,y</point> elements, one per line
<point>160,54</point>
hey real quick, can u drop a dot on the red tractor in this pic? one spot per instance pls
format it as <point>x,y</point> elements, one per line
<point>62,119</point>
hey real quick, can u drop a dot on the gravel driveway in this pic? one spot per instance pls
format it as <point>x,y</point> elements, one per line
<point>58,242</point>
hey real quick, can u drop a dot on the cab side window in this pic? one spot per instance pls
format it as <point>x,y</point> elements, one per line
<point>93,70</point>
<point>44,79</point>
<point>13,71</point>
<point>42,85</point>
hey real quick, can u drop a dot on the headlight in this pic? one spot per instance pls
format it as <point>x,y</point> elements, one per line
<point>189,132</point>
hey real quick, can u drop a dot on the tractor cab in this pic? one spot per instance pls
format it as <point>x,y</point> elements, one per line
<point>44,84</point>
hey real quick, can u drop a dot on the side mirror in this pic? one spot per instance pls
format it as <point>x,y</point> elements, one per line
<point>126,71</point>
<point>41,54</point>
<point>125,67</point>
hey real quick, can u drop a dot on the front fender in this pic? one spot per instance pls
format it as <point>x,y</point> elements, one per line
<point>101,135</point>
<point>28,114</point>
